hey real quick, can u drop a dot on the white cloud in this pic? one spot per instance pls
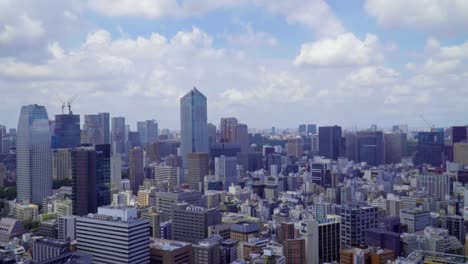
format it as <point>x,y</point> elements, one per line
<point>251,38</point>
<point>441,17</point>
<point>24,29</point>
<point>145,8</point>
<point>364,81</point>
<point>344,50</point>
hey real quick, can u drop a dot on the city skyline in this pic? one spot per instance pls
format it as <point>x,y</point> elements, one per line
<point>310,60</point>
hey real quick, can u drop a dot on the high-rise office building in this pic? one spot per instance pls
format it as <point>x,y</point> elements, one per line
<point>351,146</point>
<point>67,227</point>
<point>355,220</point>
<point>83,181</point>
<point>241,136</point>
<point>116,172</point>
<point>322,239</point>
<point>430,148</point>
<point>46,249</point>
<point>148,131</point>
<point>295,147</point>
<point>166,174</point>
<point>456,227</point>
<point>118,135</point>
<point>226,128</point>
<point>197,169</point>
<point>114,235</point>
<point>33,155</point>
<point>103,174</point>
<point>207,251</point>
<point>61,164</point>
<point>96,129</point>
<point>415,219</point>
<point>370,147</point>
<point>459,134</point>
<point>212,137</point>
<point>460,153</point>
<point>170,251</point>
<point>295,251</point>
<point>302,129</point>
<point>165,201</point>
<point>393,147</point>
<point>193,124</point>
<point>67,131</point>
<point>312,129</point>
<point>330,142</point>
<point>183,218</point>
<point>226,170</point>
<point>136,169</point>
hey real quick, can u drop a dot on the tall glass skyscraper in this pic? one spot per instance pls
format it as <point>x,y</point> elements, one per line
<point>34,154</point>
<point>118,134</point>
<point>67,133</point>
<point>193,124</point>
<point>96,128</point>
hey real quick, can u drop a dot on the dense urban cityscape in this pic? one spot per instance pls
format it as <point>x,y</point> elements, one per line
<point>103,193</point>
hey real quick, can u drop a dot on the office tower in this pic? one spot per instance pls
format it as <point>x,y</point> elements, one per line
<point>148,131</point>
<point>312,129</point>
<point>207,251</point>
<point>370,147</point>
<point>161,149</point>
<point>114,235</point>
<point>166,174</point>
<point>322,239</point>
<point>133,141</point>
<point>96,129</point>
<point>197,169</point>
<point>3,173</point>
<point>103,177</point>
<point>314,143</point>
<point>183,218</point>
<point>116,172</point>
<point>223,149</point>
<point>415,219</point>
<point>302,129</point>
<point>286,231</point>
<point>61,164</point>
<point>193,124</point>
<point>226,170</point>
<point>381,238</point>
<point>228,250</point>
<point>330,141</point>
<point>165,201</point>
<point>393,206</point>
<point>351,146</point>
<point>136,165</point>
<point>460,153</point>
<point>67,227</point>
<point>170,251</point>
<point>294,147</point>
<point>67,131</point>
<point>320,173</point>
<point>226,128</point>
<point>393,147</point>
<point>295,251</point>
<point>45,249</point>
<point>459,134</point>
<point>245,231</point>
<point>322,209</point>
<point>436,185</point>
<point>430,148</point>
<point>355,220</point>
<point>241,136</point>
<point>456,227</point>
<point>83,181</point>
<point>211,134</point>
<point>33,155</point>
<point>118,134</point>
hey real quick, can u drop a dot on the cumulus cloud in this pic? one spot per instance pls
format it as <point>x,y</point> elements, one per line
<point>441,17</point>
<point>251,38</point>
<point>344,50</point>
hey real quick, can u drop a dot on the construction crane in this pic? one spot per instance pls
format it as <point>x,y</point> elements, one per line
<point>70,101</point>
<point>432,127</point>
<point>63,102</point>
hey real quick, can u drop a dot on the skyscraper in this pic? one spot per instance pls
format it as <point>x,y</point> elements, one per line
<point>459,134</point>
<point>83,181</point>
<point>197,169</point>
<point>33,154</point>
<point>370,147</point>
<point>241,136</point>
<point>226,170</point>
<point>330,141</point>
<point>116,172</point>
<point>322,239</point>
<point>96,129</point>
<point>148,131</point>
<point>103,177</point>
<point>393,147</point>
<point>193,124</point>
<point>226,128</point>
<point>136,173</point>
<point>302,129</point>
<point>67,131</point>
<point>118,135</point>
<point>311,129</point>
<point>430,148</point>
<point>355,220</point>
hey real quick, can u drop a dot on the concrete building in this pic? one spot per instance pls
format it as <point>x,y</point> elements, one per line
<point>96,129</point>
<point>370,147</point>
<point>170,251</point>
<point>295,147</point>
<point>116,172</point>
<point>118,135</point>
<point>355,220</point>
<point>227,129</point>
<point>67,228</point>
<point>26,212</point>
<point>415,219</point>
<point>436,185</point>
<point>207,251</point>
<point>136,166</point>
<point>295,251</point>
<point>167,174</point>
<point>322,239</point>
<point>114,235</point>
<point>226,170</point>
<point>67,133</point>
<point>46,249</point>
<point>10,228</point>
<point>241,136</point>
<point>460,153</point>
<point>61,164</point>
<point>456,227</point>
<point>197,169</point>
<point>330,142</point>
<point>165,201</point>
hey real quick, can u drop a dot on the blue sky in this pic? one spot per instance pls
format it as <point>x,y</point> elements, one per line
<point>267,62</point>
